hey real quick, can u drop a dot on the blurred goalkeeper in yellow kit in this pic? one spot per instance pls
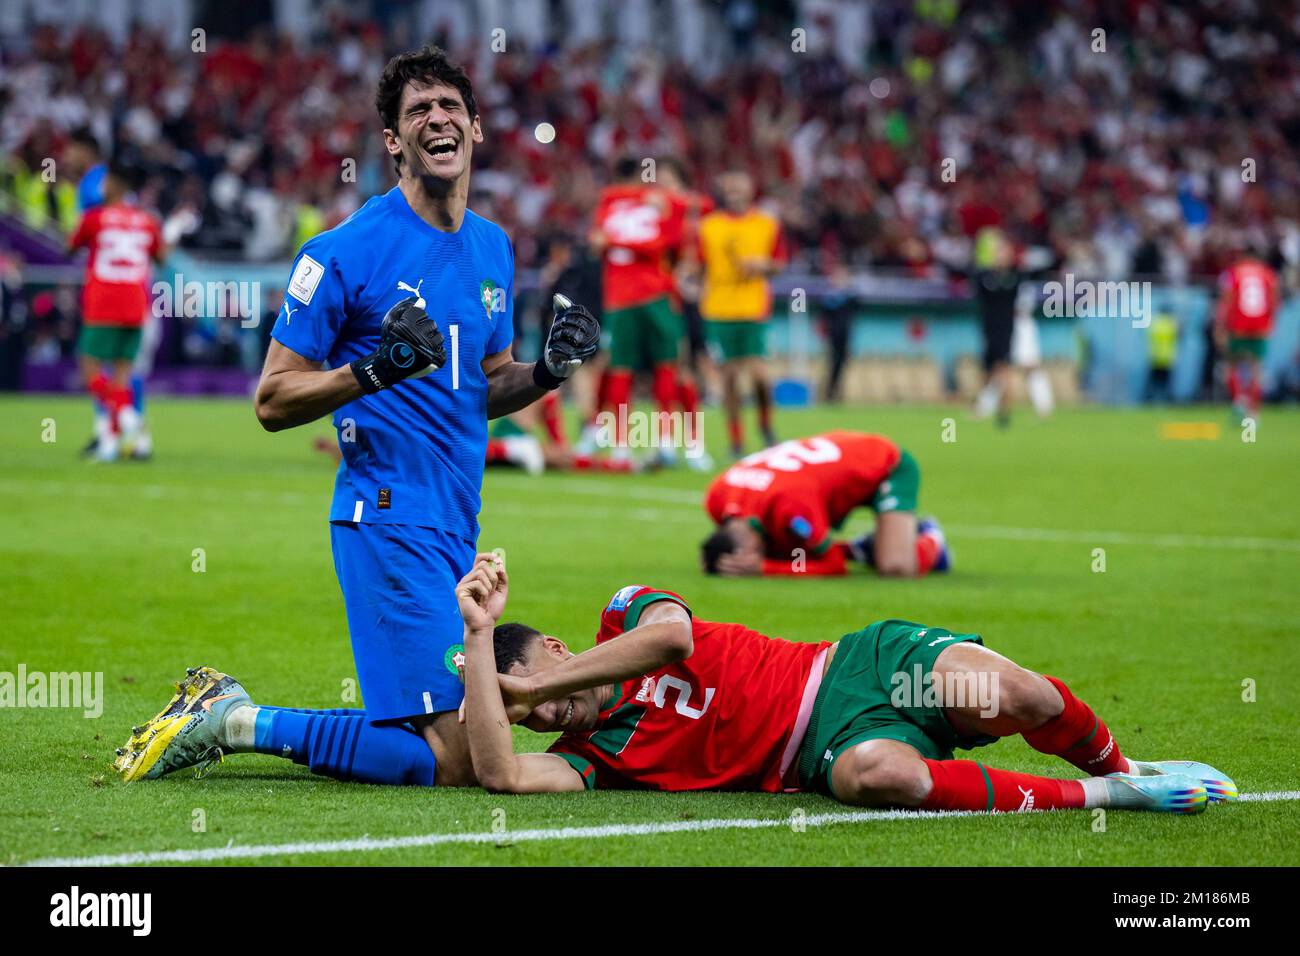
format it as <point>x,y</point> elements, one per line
<point>740,249</point>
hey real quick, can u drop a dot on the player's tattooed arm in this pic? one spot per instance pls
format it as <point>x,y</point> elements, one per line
<point>294,390</point>
<point>662,637</point>
<point>491,744</point>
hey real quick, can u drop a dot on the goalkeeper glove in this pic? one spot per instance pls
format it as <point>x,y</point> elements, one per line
<point>410,346</point>
<point>574,338</point>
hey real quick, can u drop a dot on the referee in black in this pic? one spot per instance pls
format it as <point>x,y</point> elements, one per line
<point>995,281</point>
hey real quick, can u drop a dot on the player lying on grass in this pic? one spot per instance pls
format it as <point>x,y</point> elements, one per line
<point>665,701</point>
<point>776,509</point>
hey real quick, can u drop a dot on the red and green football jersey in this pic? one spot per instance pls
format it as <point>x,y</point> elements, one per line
<point>1249,291</point>
<point>642,226</point>
<point>796,492</point>
<point>725,718</point>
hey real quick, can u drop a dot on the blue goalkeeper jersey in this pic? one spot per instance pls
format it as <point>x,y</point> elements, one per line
<point>413,453</point>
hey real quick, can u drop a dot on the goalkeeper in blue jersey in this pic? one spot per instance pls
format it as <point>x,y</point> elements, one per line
<point>399,322</point>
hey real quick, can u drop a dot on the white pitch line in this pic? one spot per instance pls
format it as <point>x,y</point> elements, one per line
<point>608,831</point>
<point>1154,539</point>
<point>604,832</point>
<point>1270,797</point>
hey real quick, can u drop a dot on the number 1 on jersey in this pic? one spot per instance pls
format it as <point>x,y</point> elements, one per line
<point>455,357</point>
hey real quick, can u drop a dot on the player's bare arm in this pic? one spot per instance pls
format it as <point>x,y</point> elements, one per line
<point>496,765</point>
<point>662,637</point>
<point>510,384</point>
<point>573,338</point>
<point>294,390</point>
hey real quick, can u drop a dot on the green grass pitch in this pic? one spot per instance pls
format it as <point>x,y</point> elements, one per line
<point>1198,596</point>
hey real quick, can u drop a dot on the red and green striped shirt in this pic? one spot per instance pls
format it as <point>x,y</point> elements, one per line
<point>722,719</point>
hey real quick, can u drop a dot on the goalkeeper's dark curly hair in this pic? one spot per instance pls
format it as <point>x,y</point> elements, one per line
<point>429,64</point>
<point>511,642</point>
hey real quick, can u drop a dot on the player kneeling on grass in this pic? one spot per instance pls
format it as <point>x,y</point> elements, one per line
<point>665,701</point>
<point>775,510</point>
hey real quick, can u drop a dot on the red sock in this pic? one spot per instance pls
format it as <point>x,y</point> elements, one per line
<point>927,550</point>
<point>592,463</point>
<point>665,393</point>
<point>689,396</point>
<point>1234,385</point>
<point>618,394</point>
<point>602,397</point>
<point>1254,394</point>
<point>496,450</point>
<point>120,397</point>
<point>1078,735</point>
<point>737,433</point>
<point>100,387</point>
<point>113,397</point>
<point>967,785</point>
<point>552,419</point>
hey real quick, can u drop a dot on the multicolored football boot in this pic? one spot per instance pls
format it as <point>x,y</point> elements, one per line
<point>185,733</point>
<point>1220,788</point>
<point>1165,793</point>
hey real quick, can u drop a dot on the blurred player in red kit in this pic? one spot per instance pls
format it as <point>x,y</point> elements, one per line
<point>694,357</point>
<point>637,227</point>
<point>1248,301</point>
<point>776,509</point>
<point>123,242</point>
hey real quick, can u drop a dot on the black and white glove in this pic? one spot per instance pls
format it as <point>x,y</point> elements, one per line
<point>574,338</point>
<point>410,346</point>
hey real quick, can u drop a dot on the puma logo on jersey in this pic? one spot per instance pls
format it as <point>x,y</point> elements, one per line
<point>940,640</point>
<point>1027,803</point>
<point>419,299</point>
<point>288,314</point>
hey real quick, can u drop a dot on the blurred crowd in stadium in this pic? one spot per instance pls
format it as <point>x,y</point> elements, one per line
<point>1165,155</point>
<point>1117,158</point>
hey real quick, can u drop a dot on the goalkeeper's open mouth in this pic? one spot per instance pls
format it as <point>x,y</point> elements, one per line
<point>442,149</point>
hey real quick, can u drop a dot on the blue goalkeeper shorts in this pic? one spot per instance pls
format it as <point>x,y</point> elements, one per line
<point>399,587</point>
